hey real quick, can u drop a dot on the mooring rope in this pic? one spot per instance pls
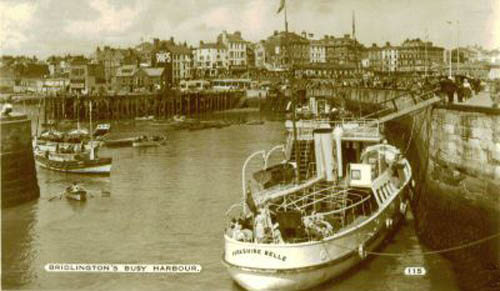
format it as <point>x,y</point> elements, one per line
<point>434,252</point>
<point>411,135</point>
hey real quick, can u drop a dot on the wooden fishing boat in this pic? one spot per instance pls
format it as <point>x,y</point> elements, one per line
<point>82,160</point>
<point>76,162</point>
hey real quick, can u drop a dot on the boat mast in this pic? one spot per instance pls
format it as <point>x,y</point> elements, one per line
<point>92,153</point>
<point>294,99</point>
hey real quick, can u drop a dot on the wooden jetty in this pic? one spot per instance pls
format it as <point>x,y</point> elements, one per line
<point>117,107</point>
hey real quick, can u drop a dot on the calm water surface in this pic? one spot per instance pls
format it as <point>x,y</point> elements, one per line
<point>167,206</point>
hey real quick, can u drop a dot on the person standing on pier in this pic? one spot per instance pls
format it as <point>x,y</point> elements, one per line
<point>448,88</point>
<point>460,90</point>
<point>467,89</point>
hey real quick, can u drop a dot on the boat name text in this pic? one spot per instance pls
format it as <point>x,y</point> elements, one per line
<point>259,252</point>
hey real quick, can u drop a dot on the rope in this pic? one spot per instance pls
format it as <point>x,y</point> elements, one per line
<point>411,136</point>
<point>450,249</point>
<point>466,245</point>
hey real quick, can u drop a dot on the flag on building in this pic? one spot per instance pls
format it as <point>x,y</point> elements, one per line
<point>282,5</point>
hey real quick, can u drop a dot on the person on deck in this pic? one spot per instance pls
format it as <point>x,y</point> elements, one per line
<point>259,226</point>
<point>277,238</point>
<point>231,227</point>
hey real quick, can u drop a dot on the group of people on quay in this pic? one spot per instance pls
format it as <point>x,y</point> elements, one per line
<point>463,87</point>
<point>260,229</point>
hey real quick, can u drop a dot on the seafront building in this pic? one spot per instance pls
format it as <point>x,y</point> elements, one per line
<point>110,70</point>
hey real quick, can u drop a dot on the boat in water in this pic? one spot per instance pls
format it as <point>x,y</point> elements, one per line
<point>120,142</point>
<point>78,139</point>
<point>339,191</point>
<point>77,157</point>
<point>75,192</point>
<point>145,141</point>
<point>82,162</point>
<point>145,118</point>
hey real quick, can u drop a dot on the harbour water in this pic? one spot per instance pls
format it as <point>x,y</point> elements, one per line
<point>167,206</point>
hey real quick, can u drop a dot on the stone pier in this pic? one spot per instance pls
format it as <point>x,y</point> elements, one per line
<point>454,151</point>
<point>19,181</point>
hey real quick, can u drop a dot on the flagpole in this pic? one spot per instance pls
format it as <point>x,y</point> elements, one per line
<point>286,21</point>
<point>294,99</point>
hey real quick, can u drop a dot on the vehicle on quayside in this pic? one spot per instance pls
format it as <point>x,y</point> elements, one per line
<point>339,192</point>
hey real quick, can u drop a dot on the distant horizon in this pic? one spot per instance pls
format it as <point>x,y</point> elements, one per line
<point>49,27</point>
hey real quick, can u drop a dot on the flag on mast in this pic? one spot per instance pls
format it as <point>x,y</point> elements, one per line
<point>282,5</point>
<point>353,26</point>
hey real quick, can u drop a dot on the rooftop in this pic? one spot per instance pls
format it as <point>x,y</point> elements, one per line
<point>212,45</point>
<point>126,71</point>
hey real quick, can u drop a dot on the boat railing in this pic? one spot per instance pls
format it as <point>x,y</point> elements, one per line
<point>232,207</point>
<point>352,127</point>
<point>355,127</point>
<point>333,193</point>
<point>341,210</point>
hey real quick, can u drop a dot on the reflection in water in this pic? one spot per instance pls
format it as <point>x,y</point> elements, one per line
<point>18,245</point>
<point>167,205</point>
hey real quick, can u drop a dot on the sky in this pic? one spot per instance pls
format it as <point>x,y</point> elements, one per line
<point>47,27</point>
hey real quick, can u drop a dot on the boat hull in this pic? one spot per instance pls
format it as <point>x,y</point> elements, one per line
<point>78,197</point>
<point>146,144</point>
<point>302,266</point>
<point>100,166</point>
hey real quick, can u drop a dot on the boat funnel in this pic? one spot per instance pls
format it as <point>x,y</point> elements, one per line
<point>318,153</point>
<point>323,141</point>
<point>337,133</point>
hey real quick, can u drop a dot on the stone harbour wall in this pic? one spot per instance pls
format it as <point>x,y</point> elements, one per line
<point>18,174</point>
<point>458,197</point>
<point>454,151</point>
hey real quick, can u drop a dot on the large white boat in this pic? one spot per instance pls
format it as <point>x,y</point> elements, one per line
<point>339,192</point>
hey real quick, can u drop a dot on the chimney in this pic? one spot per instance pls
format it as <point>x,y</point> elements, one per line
<point>172,40</point>
<point>156,42</point>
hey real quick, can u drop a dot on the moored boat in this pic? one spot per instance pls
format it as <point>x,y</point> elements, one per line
<point>75,162</point>
<point>338,193</point>
<point>121,142</point>
<point>83,160</point>
<point>145,118</point>
<point>145,141</point>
